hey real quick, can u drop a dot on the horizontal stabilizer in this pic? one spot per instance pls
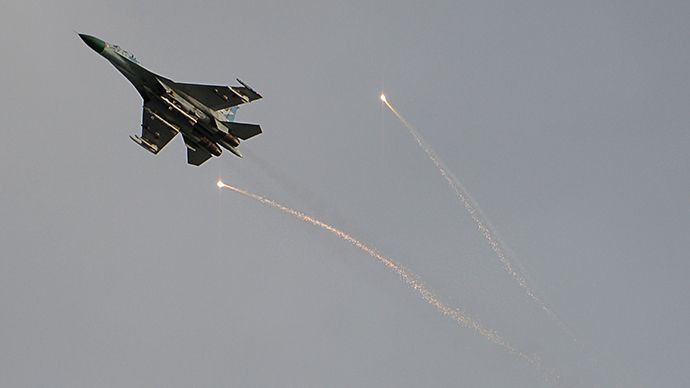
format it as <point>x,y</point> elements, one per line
<point>195,155</point>
<point>243,130</point>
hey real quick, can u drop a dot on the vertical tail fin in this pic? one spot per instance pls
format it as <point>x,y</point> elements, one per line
<point>229,113</point>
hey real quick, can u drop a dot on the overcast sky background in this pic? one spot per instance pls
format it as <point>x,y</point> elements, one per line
<point>567,121</point>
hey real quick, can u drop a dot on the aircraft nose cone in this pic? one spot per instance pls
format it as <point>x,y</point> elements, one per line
<point>96,44</point>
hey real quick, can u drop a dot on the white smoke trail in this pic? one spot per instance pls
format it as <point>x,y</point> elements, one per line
<point>411,280</point>
<point>479,219</point>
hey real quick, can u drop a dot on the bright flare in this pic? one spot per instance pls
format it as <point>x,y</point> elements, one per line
<point>220,184</point>
<point>411,280</point>
<point>383,97</point>
<point>483,226</point>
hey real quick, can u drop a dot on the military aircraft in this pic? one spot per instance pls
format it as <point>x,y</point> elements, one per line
<point>204,114</point>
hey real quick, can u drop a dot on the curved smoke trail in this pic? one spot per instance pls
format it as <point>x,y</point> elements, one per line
<point>411,280</point>
<point>479,219</point>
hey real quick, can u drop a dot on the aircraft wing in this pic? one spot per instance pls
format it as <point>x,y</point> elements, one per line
<point>219,97</point>
<point>195,155</point>
<point>155,133</point>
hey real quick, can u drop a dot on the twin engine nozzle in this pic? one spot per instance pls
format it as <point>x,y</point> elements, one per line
<point>230,140</point>
<point>210,146</point>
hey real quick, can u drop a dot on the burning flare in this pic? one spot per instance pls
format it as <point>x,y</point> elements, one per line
<point>410,279</point>
<point>480,221</point>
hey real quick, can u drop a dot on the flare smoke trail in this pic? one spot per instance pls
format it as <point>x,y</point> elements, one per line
<point>474,211</point>
<point>411,280</point>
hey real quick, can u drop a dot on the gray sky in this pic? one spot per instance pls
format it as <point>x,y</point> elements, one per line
<point>568,123</point>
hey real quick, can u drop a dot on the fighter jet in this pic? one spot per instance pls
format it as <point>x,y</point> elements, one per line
<point>204,114</point>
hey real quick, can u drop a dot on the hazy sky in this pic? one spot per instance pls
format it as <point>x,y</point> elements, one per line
<point>567,121</point>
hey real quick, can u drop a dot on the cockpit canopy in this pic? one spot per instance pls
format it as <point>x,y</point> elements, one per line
<point>124,53</point>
